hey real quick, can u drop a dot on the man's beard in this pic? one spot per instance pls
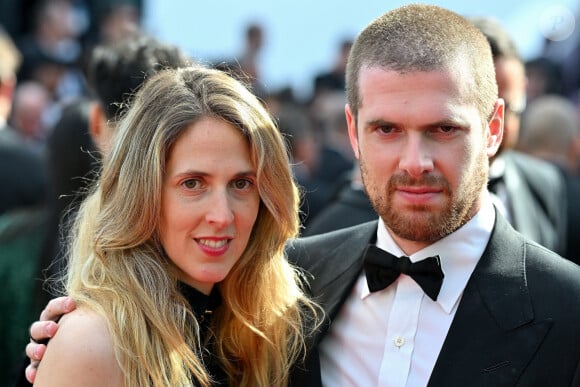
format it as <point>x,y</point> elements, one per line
<point>420,223</point>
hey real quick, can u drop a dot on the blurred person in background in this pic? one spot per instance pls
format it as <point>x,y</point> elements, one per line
<point>543,77</point>
<point>22,171</point>
<point>249,58</point>
<point>529,191</point>
<point>551,131</point>
<point>30,111</point>
<point>246,64</point>
<point>116,70</point>
<point>52,50</point>
<point>23,186</point>
<point>117,20</point>
<point>562,48</point>
<point>332,80</point>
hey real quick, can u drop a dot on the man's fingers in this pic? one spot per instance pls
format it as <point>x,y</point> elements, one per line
<point>56,308</point>
<point>35,352</point>
<point>30,372</point>
<point>40,331</point>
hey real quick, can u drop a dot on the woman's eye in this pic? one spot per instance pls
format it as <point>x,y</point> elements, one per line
<point>242,184</point>
<point>191,183</point>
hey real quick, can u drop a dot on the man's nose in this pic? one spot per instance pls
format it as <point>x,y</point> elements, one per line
<point>416,158</point>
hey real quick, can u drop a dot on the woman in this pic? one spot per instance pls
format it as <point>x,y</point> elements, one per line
<point>177,260</point>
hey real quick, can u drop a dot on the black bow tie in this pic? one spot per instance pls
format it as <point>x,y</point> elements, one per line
<point>494,182</point>
<point>382,269</point>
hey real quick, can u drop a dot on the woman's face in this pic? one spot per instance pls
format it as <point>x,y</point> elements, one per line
<point>210,202</point>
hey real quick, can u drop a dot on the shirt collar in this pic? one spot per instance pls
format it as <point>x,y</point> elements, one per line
<point>459,252</point>
<point>497,168</point>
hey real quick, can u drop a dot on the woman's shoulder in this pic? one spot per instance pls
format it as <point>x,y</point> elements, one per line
<point>81,350</point>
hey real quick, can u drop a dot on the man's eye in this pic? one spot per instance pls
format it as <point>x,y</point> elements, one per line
<point>386,129</point>
<point>447,129</point>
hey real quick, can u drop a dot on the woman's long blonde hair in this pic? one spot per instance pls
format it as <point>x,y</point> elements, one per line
<point>117,265</point>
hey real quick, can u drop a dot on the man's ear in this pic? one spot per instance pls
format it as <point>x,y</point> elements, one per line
<point>98,127</point>
<point>495,128</point>
<point>7,86</point>
<point>352,132</point>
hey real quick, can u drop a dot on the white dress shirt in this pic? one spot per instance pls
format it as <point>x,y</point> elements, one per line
<point>393,337</point>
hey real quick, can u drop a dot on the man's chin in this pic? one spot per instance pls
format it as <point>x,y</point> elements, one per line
<point>421,226</point>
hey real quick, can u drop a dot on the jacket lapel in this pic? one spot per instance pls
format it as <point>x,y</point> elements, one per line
<point>522,202</point>
<point>334,263</point>
<point>336,281</point>
<point>493,335</point>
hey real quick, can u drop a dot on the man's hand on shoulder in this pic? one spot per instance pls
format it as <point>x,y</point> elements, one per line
<point>44,329</point>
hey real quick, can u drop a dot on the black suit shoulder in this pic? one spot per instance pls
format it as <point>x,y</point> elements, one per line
<point>350,207</point>
<point>544,178</point>
<point>522,303</point>
<point>311,251</point>
<point>539,193</point>
<point>573,224</point>
<point>554,288</point>
<point>550,276</point>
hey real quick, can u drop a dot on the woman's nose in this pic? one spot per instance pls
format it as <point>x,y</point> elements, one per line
<point>219,211</point>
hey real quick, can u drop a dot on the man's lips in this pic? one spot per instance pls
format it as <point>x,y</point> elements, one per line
<point>418,195</point>
<point>419,190</point>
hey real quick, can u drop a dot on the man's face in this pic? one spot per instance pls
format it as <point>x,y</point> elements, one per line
<point>423,150</point>
<point>511,82</point>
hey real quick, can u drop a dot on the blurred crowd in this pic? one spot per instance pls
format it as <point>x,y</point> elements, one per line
<point>47,155</point>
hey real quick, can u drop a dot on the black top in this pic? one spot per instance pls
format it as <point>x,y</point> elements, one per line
<point>203,307</point>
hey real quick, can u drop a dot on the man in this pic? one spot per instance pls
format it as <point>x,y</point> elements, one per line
<point>348,206</point>
<point>116,70</point>
<point>532,192</point>
<point>529,192</point>
<point>21,168</point>
<point>23,186</point>
<point>424,118</point>
<point>551,131</point>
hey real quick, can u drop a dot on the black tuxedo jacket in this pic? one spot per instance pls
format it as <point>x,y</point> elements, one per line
<point>517,324</point>
<point>351,206</point>
<point>538,199</point>
<point>23,181</point>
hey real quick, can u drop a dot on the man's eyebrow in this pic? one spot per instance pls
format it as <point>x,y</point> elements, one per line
<point>379,122</point>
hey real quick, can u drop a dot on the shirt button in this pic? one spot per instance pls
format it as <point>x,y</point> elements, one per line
<point>399,341</point>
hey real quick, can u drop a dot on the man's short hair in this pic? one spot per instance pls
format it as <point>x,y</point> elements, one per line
<point>424,38</point>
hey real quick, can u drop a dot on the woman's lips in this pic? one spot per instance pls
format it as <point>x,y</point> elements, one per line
<point>213,246</point>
